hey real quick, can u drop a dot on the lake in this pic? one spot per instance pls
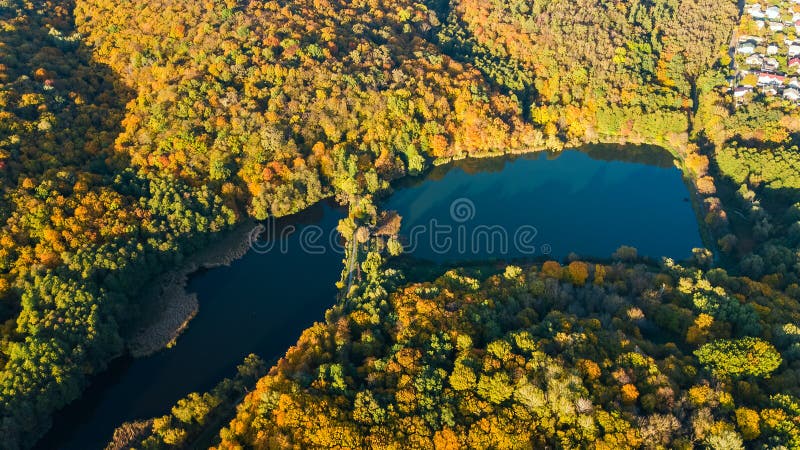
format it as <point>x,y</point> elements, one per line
<point>541,205</point>
<point>260,304</point>
<point>588,202</point>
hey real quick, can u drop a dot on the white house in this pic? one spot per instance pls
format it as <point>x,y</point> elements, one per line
<point>746,48</point>
<point>793,50</point>
<point>775,26</point>
<point>741,91</point>
<point>772,49</point>
<point>772,13</point>
<point>771,64</point>
<point>770,79</point>
<point>791,94</point>
<point>793,83</point>
<point>749,38</point>
<point>755,11</point>
<point>754,60</point>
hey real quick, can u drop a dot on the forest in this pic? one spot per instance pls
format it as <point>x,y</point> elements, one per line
<point>594,70</point>
<point>751,149</point>
<point>647,357</point>
<point>134,133</point>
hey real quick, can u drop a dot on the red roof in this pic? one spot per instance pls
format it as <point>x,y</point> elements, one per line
<point>772,75</point>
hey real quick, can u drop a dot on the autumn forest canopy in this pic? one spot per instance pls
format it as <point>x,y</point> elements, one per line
<point>134,133</point>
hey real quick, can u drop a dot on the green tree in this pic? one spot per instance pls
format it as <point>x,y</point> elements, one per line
<point>739,357</point>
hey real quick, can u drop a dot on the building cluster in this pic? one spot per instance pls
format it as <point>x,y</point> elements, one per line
<point>767,51</point>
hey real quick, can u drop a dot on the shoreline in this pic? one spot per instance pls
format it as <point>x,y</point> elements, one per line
<point>676,152</point>
<point>169,307</point>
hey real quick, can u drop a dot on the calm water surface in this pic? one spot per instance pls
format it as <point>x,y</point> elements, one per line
<point>589,203</point>
<point>260,304</point>
<point>573,202</point>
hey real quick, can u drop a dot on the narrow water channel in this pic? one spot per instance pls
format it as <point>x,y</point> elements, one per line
<point>259,304</point>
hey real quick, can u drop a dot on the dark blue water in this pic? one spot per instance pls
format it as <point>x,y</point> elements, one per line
<point>587,203</point>
<point>552,206</point>
<point>259,304</point>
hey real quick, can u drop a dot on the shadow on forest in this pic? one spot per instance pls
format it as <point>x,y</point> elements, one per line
<point>62,113</point>
<point>773,199</point>
<point>759,143</point>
